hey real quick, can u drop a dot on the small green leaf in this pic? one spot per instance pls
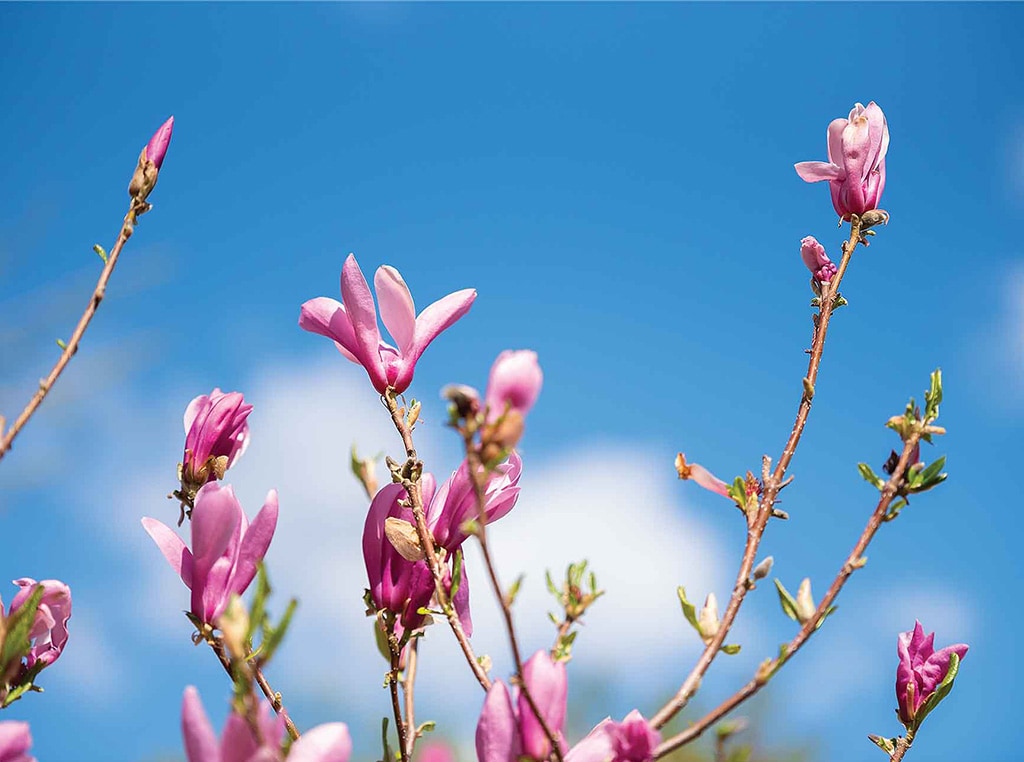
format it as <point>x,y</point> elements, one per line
<point>787,601</point>
<point>870,476</point>
<point>731,649</point>
<point>274,638</point>
<point>62,344</point>
<point>551,584</point>
<point>19,624</point>
<point>513,590</point>
<point>933,397</point>
<point>689,610</point>
<point>101,252</point>
<point>257,612</point>
<point>456,572</point>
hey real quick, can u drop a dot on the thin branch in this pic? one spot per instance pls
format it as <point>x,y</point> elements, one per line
<point>412,488</point>
<point>757,522</point>
<point>71,347</point>
<point>853,562</point>
<point>393,678</point>
<point>409,686</point>
<point>477,475</point>
<point>217,645</point>
<point>902,747</point>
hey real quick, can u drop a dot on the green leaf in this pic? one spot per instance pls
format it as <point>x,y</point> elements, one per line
<point>787,601</point>
<point>274,638</point>
<point>933,397</point>
<point>740,754</point>
<point>731,649</point>
<point>389,755</point>
<point>825,616</point>
<point>689,610</point>
<point>101,252</point>
<point>870,476</point>
<point>19,624</point>
<point>456,572</point>
<point>258,610</point>
<point>513,590</point>
<point>941,691</point>
<point>551,585</point>
<point>62,344</point>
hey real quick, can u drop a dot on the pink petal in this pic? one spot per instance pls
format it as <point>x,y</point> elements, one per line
<point>216,521</point>
<point>200,741</point>
<point>816,171</point>
<point>396,306</point>
<point>497,736</point>
<point>324,743</point>
<point>156,149</point>
<point>173,548</point>
<point>461,603</point>
<point>199,405</point>
<point>834,136</point>
<point>255,543</point>
<point>355,293</point>
<point>515,382</point>
<point>237,743</point>
<point>431,322</point>
<point>327,317</point>
<point>548,685</point>
<point>596,746</point>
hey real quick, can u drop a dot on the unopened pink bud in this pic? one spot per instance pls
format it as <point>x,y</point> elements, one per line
<point>49,632</point>
<point>156,149</point>
<point>921,669</point>
<point>817,261</point>
<point>15,741</point>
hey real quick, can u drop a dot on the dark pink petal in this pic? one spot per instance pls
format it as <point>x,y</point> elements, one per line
<point>327,317</point>
<point>497,732</point>
<point>325,743</point>
<point>200,741</point>
<point>374,538</point>
<point>156,149</point>
<point>173,548</point>
<point>216,521</point>
<point>397,309</point>
<point>548,684</point>
<point>255,543</point>
<point>355,293</point>
<point>634,739</point>
<point>461,603</point>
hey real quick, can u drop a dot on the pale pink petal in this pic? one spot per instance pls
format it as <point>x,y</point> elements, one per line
<point>173,548</point>
<point>200,741</point>
<point>596,746</point>
<point>324,743</point>
<point>362,313</point>
<point>431,322</point>
<point>237,743</point>
<point>396,306</point>
<point>816,171</point>
<point>327,317</point>
<point>834,136</point>
<point>514,383</point>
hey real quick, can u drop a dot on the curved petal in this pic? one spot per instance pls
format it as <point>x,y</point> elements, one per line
<point>327,317</point>
<point>431,322</point>
<point>255,543</point>
<point>548,684</point>
<point>373,535</point>
<point>834,136</point>
<point>200,741</point>
<point>397,309</point>
<point>596,746</point>
<point>324,743</point>
<point>362,314</point>
<point>173,548</point>
<point>497,736</point>
<point>816,171</point>
<point>199,405</point>
<point>216,521</point>
<point>461,603</point>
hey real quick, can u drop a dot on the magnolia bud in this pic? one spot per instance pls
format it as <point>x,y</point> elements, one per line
<point>764,568</point>
<point>708,622</point>
<point>805,607</point>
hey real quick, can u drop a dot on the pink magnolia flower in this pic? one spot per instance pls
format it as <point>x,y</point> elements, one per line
<point>226,548</point>
<point>920,670</point>
<point>324,743</point>
<point>631,740</point>
<point>817,261</point>
<point>15,741</point>
<point>855,169</point>
<point>404,586</point>
<point>514,383</point>
<point>156,149</point>
<point>352,323</point>
<point>49,632</point>
<point>701,475</point>
<point>509,730</point>
<point>215,428</point>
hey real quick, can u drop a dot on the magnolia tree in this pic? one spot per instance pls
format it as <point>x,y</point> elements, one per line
<point>417,526</point>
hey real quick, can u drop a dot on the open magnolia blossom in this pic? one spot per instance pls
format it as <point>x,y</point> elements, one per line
<point>631,740</point>
<point>508,729</point>
<point>325,743</point>
<point>855,169</point>
<point>15,741</point>
<point>399,581</point>
<point>49,631</point>
<point>920,670</point>
<point>216,435</point>
<point>352,323</point>
<point>225,551</point>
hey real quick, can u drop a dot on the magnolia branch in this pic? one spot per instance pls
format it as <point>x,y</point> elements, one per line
<point>902,747</point>
<point>478,475</point>
<point>410,480</point>
<point>71,347</point>
<point>217,645</point>
<point>767,670</point>
<point>393,679</point>
<point>773,484</point>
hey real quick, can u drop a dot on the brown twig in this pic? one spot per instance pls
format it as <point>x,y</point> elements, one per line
<point>902,746</point>
<point>71,347</point>
<point>773,483</point>
<point>412,488</point>
<point>477,476</point>
<point>396,706</point>
<point>853,562</point>
<point>217,645</point>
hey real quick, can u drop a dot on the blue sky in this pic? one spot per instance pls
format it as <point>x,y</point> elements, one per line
<point>617,183</point>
